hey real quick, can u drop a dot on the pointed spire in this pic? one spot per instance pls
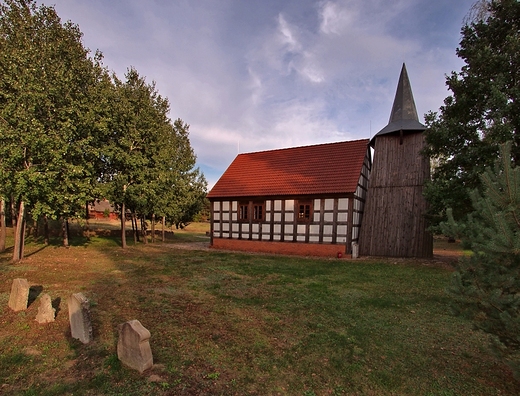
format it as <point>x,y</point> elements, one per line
<point>404,114</point>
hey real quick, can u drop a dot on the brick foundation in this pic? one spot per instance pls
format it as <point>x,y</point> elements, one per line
<point>293,248</point>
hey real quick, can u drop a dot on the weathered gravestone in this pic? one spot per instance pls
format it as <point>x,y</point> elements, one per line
<point>79,317</point>
<point>19,295</point>
<point>46,312</point>
<point>133,347</point>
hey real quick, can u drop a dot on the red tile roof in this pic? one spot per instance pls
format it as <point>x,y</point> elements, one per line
<point>310,170</point>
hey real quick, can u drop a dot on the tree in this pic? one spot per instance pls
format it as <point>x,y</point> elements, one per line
<point>486,286</point>
<point>46,102</point>
<point>482,112</point>
<point>149,161</point>
<point>183,187</point>
<point>139,114</point>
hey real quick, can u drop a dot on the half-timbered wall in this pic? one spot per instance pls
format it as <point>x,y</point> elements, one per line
<point>328,222</point>
<point>360,197</point>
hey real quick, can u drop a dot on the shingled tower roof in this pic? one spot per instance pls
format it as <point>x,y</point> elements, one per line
<point>404,114</point>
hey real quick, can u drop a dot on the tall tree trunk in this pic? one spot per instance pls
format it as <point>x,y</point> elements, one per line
<point>35,232</point>
<point>163,226</point>
<point>65,231</point>
<point>153,228</point>
<point>123,226</point>
<point>3,230</point>
<point>13,214</point>
<point>143,230</point>
<point>87,224</point>
<point>134,228</point>
<point>19,234</point>
<point>45,229</point>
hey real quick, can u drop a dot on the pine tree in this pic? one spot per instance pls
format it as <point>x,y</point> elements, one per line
<point>486,286</point>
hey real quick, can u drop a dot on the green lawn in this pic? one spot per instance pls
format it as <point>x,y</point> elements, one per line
<point>235,324</point>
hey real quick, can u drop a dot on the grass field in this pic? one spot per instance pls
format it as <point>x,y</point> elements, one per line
<point>227,323</point>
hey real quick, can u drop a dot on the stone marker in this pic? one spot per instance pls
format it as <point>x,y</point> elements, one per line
<point>79,317</point>
<point>46,312</point>
<point>19,295</point>
<point>133,347</point>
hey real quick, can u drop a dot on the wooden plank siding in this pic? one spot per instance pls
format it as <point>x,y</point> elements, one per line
<point>394,223</point>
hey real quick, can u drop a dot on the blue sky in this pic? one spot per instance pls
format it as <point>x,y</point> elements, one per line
<point>250,75</point>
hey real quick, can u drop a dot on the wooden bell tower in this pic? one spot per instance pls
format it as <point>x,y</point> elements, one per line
<point>393,223</point>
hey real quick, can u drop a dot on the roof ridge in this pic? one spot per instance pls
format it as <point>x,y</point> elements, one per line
<point>306,146</point>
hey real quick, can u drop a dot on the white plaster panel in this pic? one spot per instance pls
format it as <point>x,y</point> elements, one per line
<point>234,205</point>
<point>225,216</point>
<point>276,237</point>
<point>225,205</point>
<point>235,227</point>
<point>355,232</point>
<point>245,227</point>
<point>278,205</point>
<point>327,239</point>
<point>234,236</point>
<point>316,216</point>
<point>234,216</point>
<point>314,238</point>
<point>317,203</point>
<point>328,217</point>
<point>300,238</point>
<point>225,235</point>
<point>327,230</point>
<point>216,227</point>
<point>289,205</point>
<point>277,217</point>
<point>256,228</point>
<point>277,228</point>
<point>268,217</point>
<point>225,227</point>
<point>301,229</point>
<point>343,204</point>
<point>314,229</point>
<point>289,217</point>
<point>341,239</point>
<point>255,236</point>
<point>343,216</point>
<point>216,205</point>
<point>329,204</point>
<point>268,205</point>
<point>288,229</point>
<point>216,216</point>
<point>342,230</point>
<point>266,229</point>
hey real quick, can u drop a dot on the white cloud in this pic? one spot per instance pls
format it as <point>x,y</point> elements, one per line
<point>335,18</point>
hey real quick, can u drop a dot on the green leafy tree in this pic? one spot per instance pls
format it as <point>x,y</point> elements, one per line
<point>183,186</point>
<point>46,105</point>
<point>139,114</point>
<point>482,112</point>
<point>486,286</point>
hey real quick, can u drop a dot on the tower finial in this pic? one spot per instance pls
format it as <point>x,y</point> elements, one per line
<point>404,114</point>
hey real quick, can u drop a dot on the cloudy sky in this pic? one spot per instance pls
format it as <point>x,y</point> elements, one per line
<point>251,75</point>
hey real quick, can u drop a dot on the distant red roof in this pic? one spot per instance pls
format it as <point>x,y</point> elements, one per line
<point>320,169</point>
